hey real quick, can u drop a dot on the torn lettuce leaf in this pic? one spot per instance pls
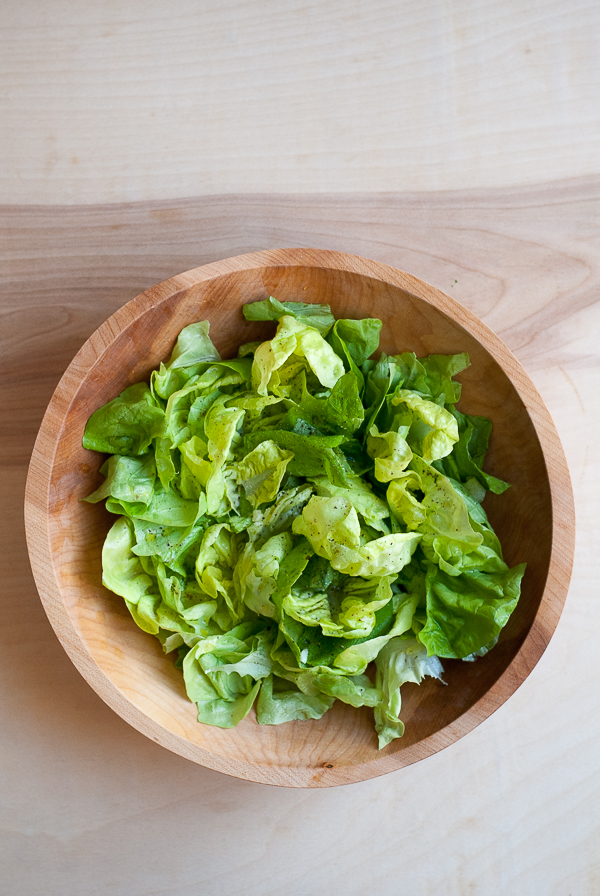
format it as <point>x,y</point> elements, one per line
<point>291,516</point>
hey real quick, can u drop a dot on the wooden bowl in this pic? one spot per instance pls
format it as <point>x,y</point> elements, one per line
<point>534,519</point>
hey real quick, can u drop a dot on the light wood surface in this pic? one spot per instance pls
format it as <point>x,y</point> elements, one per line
<point>534,520</point>
<point>93,806</point>
<point>142,100</point>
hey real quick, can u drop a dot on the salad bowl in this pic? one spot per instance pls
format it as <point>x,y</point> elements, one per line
<point>534,519</point>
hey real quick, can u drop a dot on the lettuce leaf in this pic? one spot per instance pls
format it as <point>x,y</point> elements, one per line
<point>466,612</point>
<point>332,527</point>
<point>401,660</point>
<point>127,424</point>
<point>317,316</point>
<point>307,350</point>
<point>192,352</point>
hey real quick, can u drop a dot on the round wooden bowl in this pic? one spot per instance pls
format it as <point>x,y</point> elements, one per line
<point>534,519</point>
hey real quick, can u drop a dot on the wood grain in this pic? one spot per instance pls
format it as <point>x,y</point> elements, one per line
<point>132,102</point>
<point>534,521</point>
<point>513,807</point>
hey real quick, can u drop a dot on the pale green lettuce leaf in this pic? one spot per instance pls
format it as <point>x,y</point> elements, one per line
<point>221,427</point>
<point>255,573</point>
<point>355,659</point>
<point>373,509</point>
<point>400,661</point>
<point>356,690</point>
<point>261,471</point>
<point>391,453</point>
<point>128,479</point>
<point>433,430</point>
<point>348,613</point>
<point>192,351</point>
<point>123,573</point>
<point>332,527</point>
<point>279,702</point>
<point>166,508</point>
<point>222,700</point>
<point>309,350</point>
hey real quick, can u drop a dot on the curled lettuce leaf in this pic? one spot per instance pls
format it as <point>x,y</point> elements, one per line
<point>192,351</point>
<point>432,430</point>
<point>279,701</point>
<point>466,612</point>
<point>401,660</point>
<point>261,471</point>
<point>304,347</point>
<point>332,527</point>
<point>391,453</point>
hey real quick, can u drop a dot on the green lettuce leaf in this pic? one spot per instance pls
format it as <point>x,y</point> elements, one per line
<point>127,424</point>
<point>317,316</point>
<point>260,472</point>
<point>466,460</point>
<point>313,455</point>
<point>223,698</point>
<point>355,340</point>
<point>373,509</point>
<point>432,430</point>
<point>339,411</point>
<point>390,452</point>
<point>128,479</point>
<point>466,612</point>
<point>192,351</point>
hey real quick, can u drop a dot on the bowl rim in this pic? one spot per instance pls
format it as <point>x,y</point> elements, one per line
<point>38,532</point>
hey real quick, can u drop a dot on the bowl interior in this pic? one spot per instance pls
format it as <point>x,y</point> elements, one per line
<point>133,662</point>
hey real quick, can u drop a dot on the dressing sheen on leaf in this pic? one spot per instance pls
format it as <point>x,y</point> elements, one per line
<point>292,515</point>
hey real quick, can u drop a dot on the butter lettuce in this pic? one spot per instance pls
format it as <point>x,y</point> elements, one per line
<point>291,516</point>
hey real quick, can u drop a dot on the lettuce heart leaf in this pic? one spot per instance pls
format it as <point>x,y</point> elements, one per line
<point>309,351</point>
<point>260,472</point>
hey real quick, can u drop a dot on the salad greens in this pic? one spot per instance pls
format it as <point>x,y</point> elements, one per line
<point>290,516</point>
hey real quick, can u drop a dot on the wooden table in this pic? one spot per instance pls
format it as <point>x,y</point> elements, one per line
<point>92,807</point>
